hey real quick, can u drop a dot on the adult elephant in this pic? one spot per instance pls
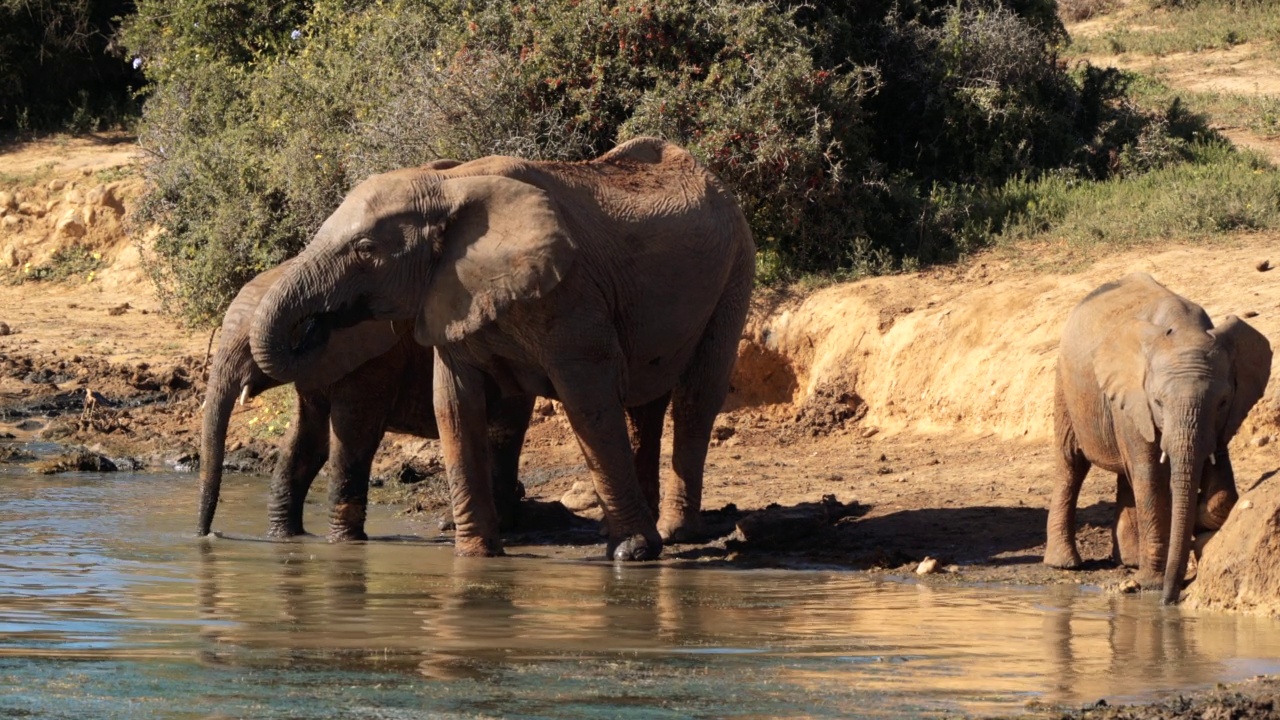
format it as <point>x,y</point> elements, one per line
<point>371,378</point>
<point>611,285</point>
<point>1149,389</point>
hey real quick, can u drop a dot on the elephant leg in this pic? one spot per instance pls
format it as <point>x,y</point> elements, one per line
<point>358,420</point>
<point>460,408</point>
<point>695,402</point>
<point>508,421</point>
<point>1071,467</point>
<point>302,455</point>
<point>1153,505</point>
<point>1217,493</point>
<point>592,396</point>
<point>645,424</point>
<point>1125,546</point>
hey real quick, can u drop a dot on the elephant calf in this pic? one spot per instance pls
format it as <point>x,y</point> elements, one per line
<point>1149,389</point>
<point>372,378</point>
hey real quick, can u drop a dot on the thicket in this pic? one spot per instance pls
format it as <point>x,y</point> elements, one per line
<point>60,67</point>
<point>859,135</point>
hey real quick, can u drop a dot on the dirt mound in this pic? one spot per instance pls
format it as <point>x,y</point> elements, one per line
<point>1241,565</point>
<point>976,351</point>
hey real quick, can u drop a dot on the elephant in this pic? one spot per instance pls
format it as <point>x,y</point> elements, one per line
<point>615,285</point>
<point>1149,389</point>
<point>373,378</point>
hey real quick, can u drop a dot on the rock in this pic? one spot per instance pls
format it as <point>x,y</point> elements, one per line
<point>56,185</point>
<point>105,196</point>
<point>1264,266</point>
<point>5,329</point>
<point>1128,586</point>
<point>927,566</point>
<point>71,225</point>
<point>870,432</point>
<point>1260,441</point>
<point>581,497</point>
<point>721,432</point>
<point>74,197</point>
<point>1240,565</point>
<point>30,208</point>
<point>7,200</point>
<point>82,461</point>
<point>775,525</point>
<point>10,221</point>
<point>544,407</point>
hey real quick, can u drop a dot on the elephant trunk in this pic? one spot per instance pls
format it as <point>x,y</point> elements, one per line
<point>1188,449</point>
<point>288,333</point>
<point>219,401</point>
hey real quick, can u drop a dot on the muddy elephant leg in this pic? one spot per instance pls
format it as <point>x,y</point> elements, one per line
<point>1125,545</point>
<point>358,422</point>
<point>1153,505</point>
<point>1217,493</point>
<point>301,456</point>
<point>461,416</point>
<point>695,402</point>
<point>1070,469</point>
<point>592,396</point>
<point>508,421</point>
<point>645,425</point>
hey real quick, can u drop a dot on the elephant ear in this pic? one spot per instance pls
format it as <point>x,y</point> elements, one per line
<point>348,349</point>
<point>1121,364</point>
<point>502,243</point>
<point>1251,360</point>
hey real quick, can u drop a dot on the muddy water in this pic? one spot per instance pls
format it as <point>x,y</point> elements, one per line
<point>109,608</point>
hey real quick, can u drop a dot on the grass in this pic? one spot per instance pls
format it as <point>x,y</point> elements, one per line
<point>67,263</point>
<point>1206,25</point>
<point>1259,113</point>
<point>1219,191</point>
<point>273,414</point>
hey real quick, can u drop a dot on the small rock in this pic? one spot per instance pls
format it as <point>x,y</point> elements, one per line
<point>544,407</point>
<point>7,200</point>
<point>720,433</point>
<point>30,208</point>
<point>74,197</point>
<point>9,221</point>
<point>927,566</point>
<point>119,309</point>
<point>5,329</point>
<point>1244,505</point>
<point>71,225</point>
<point>870,432</point>
<point>56,185</point>
<point>1264,266</point>
<point>1128,587</point>
<point>10,256</point>
<point>582,496</point>
<point>1260,441</point>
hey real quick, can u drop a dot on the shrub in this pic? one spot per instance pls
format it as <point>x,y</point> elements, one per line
<point>859,135</point>
<point>60,68</point>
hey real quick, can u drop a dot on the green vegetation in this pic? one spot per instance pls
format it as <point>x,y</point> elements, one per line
<point>59,66</point>
<point>72,261</point>
<point>1188,26</point>
<point>860,135</point>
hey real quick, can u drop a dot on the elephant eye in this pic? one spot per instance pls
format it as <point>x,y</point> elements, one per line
<point>365,248</point>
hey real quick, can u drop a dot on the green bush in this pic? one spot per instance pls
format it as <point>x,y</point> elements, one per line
<point>60,68</point>
<point>859,135</point>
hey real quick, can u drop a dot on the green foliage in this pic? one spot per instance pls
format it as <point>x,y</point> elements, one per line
<point>1189,26</point>
<point>860,136</point>
<point>72,261</point>
<point>59,67</point>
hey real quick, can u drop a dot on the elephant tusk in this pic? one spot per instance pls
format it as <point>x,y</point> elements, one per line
<point>1164,457</point>
<point>244,395</point>
<point>203,403</point>
<point>1213,459</point>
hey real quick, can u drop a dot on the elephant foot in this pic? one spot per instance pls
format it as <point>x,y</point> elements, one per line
<point>284,531</point>
<point>635,547</point>
<point>344,534</point>
<point>477,547</point>
<point>1149,579</point>
<point>686,528</point>
<point>1062,556</point>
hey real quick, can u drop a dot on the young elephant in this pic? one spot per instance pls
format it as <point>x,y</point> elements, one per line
<point>371,379</point>
<point>611,285</point>
<point>1149,389</point>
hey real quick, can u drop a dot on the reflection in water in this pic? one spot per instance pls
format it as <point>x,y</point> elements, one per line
<point>109,608</point>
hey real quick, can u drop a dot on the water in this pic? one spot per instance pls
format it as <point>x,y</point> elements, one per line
<point>109,608</point>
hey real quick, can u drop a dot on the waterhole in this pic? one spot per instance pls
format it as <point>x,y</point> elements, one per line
<point>110,608</point>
